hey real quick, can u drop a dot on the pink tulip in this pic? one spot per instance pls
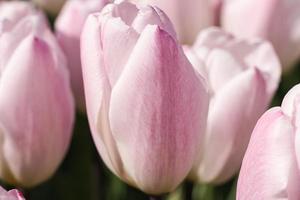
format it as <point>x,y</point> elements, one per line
<point>188,16</point>
<point>51,6</point>
<point>10,195</point>
<point>242,76</point>
<point>270,169</point>
<point>36,104</point>
<point>68,35</point>
<point>274,20</point>
<point>146,105</point>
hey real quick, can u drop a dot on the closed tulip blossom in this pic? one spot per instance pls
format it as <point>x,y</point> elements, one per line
<point>146,105</point>
<point>36,104</point>
<point>188,16</point>
<point>242,76</point>
<point>270,168</point>
<point>10,195</point>
<point>68,35</point>
<point>275,20</point>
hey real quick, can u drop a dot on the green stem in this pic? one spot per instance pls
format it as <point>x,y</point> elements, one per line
<point>188,190</point>
<point>220,192</point>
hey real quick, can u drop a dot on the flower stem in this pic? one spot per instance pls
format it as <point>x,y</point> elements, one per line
<point>188,190</point>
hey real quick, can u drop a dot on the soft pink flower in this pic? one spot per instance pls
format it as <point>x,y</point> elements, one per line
<point>270,169</point>
<point>36,103</point>
<point>146,105</point>
<point>242,76</point>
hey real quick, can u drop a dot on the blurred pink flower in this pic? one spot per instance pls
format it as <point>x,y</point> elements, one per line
<point>270,169</point>
<point>146,105</point>
<point>275,20</point>
<point>36,103</point>
<point>242,76</point>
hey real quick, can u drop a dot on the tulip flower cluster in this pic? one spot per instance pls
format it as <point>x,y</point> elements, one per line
<point>151,93</point>
<point>173,92</point>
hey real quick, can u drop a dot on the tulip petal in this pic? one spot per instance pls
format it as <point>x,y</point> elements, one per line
<point>268,169</point>
<point>239,103</point>
<point>290,105</point>
<point>152,16</point>
<point>196,61</point>
<point>209,39</point>
<point>158,109</point>
<point>123,10</point>
<point>294,181</point>
<point>37,111</point>
<point>10,39</point>
<point>246,54</point>
<point>97,92</point>
<point>10,195</point>
<point>188,16</point>
<point>222,67</point>
<point>262,55</point>
<point>291,108</point>
<point>118,40</point>
<point>17,195</point>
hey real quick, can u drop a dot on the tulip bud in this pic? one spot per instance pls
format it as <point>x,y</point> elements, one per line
<point>146,105</point>
<point>242,76</point>
<point>36,104</point>
<point>188,16</point>
<point>10,195</point>
<point>68,35</point>
<point>270,169</point>
<point>275,20</point>
<point>51,6</point>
